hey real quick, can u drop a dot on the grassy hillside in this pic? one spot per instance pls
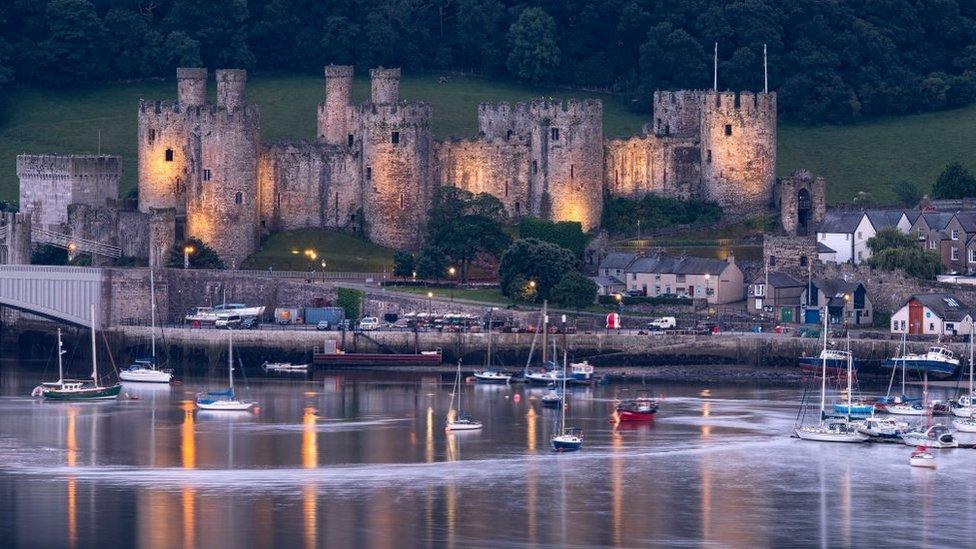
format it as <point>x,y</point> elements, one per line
<point>340,251</point>
<point>870,156</point>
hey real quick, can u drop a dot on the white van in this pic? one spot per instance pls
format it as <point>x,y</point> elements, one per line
<point>662,323</point>
<point>369,323</point>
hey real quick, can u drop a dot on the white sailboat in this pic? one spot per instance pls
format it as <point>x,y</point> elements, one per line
<point>461,421</point>
<point>838,430</point>
<point>225,401</point>
<point>489,375</point>
<point>144,370</point>
<point>569,439</point>
<point>932,436</point>
<point>967,410</point>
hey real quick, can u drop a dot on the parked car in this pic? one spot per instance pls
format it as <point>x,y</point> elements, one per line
<point>369,323</point>
<point>322,325</point>
<point>229,321</point>
<point>662,323</point>
<point>250,323</point>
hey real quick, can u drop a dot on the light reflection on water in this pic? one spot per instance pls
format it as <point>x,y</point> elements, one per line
<point>342,462</point>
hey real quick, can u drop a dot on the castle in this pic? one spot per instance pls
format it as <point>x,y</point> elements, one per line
<point>374,167</point>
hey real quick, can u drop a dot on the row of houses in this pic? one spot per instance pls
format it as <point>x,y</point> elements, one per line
<point>716,281</point>
<point>843,236</point>
<point>787,299</point>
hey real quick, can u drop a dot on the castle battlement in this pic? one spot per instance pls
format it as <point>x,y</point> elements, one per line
<point>403,113</point>
<point>69,165</point>
<point>543,107</point>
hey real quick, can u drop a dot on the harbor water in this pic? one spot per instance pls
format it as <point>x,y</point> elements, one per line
<point>364,461</point>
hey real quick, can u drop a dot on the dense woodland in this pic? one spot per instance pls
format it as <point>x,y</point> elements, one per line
<point>831,60</point>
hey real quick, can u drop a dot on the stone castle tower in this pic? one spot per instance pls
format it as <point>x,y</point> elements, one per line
<point>200,159</point>
<point>736,134</point>
<point>374,167</point>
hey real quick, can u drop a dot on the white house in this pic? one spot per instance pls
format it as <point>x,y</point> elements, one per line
<point>933,314</point>
<point>847,234</point>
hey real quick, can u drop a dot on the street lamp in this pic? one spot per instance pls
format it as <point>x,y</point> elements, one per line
<point>708,276</point>
<point>187,250</point>
<point>430,295</point>
<point>451,271</point>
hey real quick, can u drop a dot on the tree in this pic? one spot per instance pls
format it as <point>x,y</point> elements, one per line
<point>908,193</point>
<point>574,291</point>
<point>672,58</point>
<point>537,262</point>
<point>533,50</point>
<point>568,234</point>
<point>955,181</point>
<point>46,254</point>
<point>889,238</point>
<point>914,261</point>
<point>462,224</point>
<point>350,301</point>
<point>431,263</point>
<point>73,50</point>
<point>202,256</point>
<point>403,263</point>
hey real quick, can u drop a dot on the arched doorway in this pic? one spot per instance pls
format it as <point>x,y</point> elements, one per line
<point>803,208</point>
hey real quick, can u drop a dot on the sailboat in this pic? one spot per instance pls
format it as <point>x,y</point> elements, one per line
<point>225,400</point>
<point>569,439</point>
<point>489,375</point>
<point>461,421</point>
<point>900,405</point>
<point>837,430</point>
<point>549,374</point>
<point>144,370</point>
<point>967,408</point>
<point>79,389</point>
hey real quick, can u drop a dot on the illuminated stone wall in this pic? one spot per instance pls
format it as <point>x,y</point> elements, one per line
<point>499,167</point>
<point>163,155</point>
<point>334,124</point>
<point>642,165</point>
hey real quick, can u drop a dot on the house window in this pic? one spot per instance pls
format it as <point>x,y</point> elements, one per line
<point>954,254</point>
<point>369,173</point>
<point>859,235</point>
<point>955,234</point>
<point>395,138</point>
<point>772,261</point>
<point>860,255</point>
<point>950,327</point>
<point>168,155</point>
<point>903,325</point>
<point>972,255</point>
<point>239,198</point>
<point>401,201</point>
<point>931,244</point>
<point>657,290</point>
<point>803,261</point>
<point>633,276</point>
<point>894,325</point>
<point>708,156</point>
<point>555,134</point>
<point>728,129</point>
<point>152,136</point>
<point>679,278</point>
<point>350,140</point>
<point>206,175</point>
<point>847,236</point>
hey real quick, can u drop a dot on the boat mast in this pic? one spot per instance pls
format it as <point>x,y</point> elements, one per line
<point>545,329</point>
<point>61,352</point>
<point>230,359</point>
<point>850,362</point>
<point>488,359</point>
<point>152,314</point>
<point>563,399</point>
<point>823,373</point>
<point>459,386</point>
<point>94,357</point>
<point>904,365</point>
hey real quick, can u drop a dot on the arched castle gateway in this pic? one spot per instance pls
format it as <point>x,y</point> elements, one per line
<point>375,166</point>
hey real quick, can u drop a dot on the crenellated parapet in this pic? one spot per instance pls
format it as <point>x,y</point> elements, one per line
<point>49,183</point>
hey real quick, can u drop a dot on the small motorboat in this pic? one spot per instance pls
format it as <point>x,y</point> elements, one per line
<point>963,406</point>
<point>570,440</point>
<point>967,425</point>
<point>641,408</point>
<point>284,367</point>
<point>883,428</point>
<point>921,457</point>
<point>551,399</point>
<point>914,408</point>
<point>833,361</point>
<point>545,377</point>
<point>581,373</point>
<point>938,362</point>
<point>936,436</point>
<point>492,376</point>
<point>834,431</point>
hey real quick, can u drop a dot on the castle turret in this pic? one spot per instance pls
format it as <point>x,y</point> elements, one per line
<point>163,142</point>
<point>191,86</point>
<point>230,88</point>
<point>222,194</point>
<point>385,85</point>
<point>738,141</point>
<point>397,178</point>
<point>333,120</point>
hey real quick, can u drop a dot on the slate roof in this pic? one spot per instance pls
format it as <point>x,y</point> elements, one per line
<point>835,288</point>
<point>780,280</point>
<point>882,219</point>
<point>946,306</point>
<point>666,264</point>
<point>825,249</point>
<point>937,221</point>
<point>840,222</point>
<point>967,220</point>
<point>617,260</point>
<point>607,281</point>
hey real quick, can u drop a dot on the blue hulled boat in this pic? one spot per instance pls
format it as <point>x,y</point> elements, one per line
<point>836,362</point>
<point>938,362</point>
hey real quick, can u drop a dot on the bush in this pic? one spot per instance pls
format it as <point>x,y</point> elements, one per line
<point>574,291</point>
<point>350,300</point>
<point>914,261</point>
<point>46,254</point>
<point>568,234</point>
<point>403,264</point>
<point>620,215</point>
<point>535,261</point>
<point>955,181</point>
<point>202,256</point>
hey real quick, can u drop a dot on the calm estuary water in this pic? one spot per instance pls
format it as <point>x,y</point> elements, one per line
<point>355,461</point>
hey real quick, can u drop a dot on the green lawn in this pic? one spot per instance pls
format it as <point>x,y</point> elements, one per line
<point>869,156</point>
<point>340,251</point>
<point>488,295</point>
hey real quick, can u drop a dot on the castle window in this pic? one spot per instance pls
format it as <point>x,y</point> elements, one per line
<point>369,173</point>
<point>667,129</point>
<point>518,208</point>
<point>555,134</point>
<point>506,188</point>
<point>708,156</point>
<point>508,135</point>
<point>350,139</point>
<point>401,201</point>
<point>803,261</point>
<point>206,175</point>
<point>168,155</point>
<point>535,167</point>
<point>728,129</point>
<point>239,198</point>
<point>152,136</point>
<point>572,171</point>
<point>395,138</point>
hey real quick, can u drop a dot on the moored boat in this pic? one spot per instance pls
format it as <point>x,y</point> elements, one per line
<point>641,408</point>
<point>460,421</point>
<point>836,362</point>
<point>144,370</point>
<point>855,409</point>
<point>938,362</point>
<point>551,399</point>
<point>883,429</point>
<point>79,389</point>
<point>492,376</point>
<point>834,431</point>
<point>936,436</point>
<point>567,439</point>
<point>286,367</point>
<point>225,401</point>
<point>921,457</point>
